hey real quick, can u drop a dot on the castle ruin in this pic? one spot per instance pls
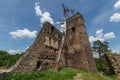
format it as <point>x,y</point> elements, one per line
<point>42,54</point>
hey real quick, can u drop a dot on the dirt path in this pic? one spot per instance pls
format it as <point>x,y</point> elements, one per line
<point>5,70</point>
<point>78,77</point>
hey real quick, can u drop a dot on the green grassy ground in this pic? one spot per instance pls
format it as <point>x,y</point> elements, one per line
<point>63,74</point>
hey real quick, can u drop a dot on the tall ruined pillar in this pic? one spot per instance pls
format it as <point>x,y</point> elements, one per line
<point>77,48</point>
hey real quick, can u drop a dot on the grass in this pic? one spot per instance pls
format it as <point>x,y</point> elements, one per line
<point>2,67</point>
<point>63,74</point>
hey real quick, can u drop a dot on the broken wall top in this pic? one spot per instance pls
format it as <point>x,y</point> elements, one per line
<point>114,62</point>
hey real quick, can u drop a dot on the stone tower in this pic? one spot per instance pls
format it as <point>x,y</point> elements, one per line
<point>77,47</point>
<point>43,53</point>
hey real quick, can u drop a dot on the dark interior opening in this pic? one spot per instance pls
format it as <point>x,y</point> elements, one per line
<point>46,64</point>
<point>39,64</point>
<point>52,29</point>
<point>73,29</point>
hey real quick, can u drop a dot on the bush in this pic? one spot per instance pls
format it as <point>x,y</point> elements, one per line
<point>8,60</point>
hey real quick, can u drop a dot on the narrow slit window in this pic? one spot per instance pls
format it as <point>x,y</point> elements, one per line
<point>73,29</point>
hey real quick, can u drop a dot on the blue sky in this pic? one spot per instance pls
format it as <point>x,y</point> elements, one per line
<point>21,20</point>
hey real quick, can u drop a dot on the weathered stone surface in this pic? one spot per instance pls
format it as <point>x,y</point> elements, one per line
<point>114,62</point>
<point>77,47</point>
<point>43,52</point>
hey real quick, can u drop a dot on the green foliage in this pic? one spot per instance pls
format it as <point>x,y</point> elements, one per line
<point>8,60</point>
<point>101,48</point>
<point>63,74</point>
<point>104,65</point>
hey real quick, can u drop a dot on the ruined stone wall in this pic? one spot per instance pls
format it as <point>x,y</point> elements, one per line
<point>114,62</point>
<point>42,53</point>
<point>77,47</point>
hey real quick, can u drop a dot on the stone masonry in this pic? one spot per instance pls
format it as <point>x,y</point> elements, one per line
<point>43,53</point>
<point>113,62</point>
<point>77,47</point>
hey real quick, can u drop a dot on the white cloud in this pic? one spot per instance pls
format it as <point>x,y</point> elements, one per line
<point>27,47</point>
<point>115,17</point>
<point>99,33</point>
<point>44,16</point>
<point>57,22</point>
<point>117,5</point>
<point>37,9</point>
<point>109,35</point>
<point>92,39</point>
<point>12,52</point>
<point>63,28</point>
<point>25,33</point>
<point>101,36</point>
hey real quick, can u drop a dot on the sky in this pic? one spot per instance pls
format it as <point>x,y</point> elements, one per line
<point>21,20</point>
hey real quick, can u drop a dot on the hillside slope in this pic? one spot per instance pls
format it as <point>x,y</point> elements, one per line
<point>63,74</point>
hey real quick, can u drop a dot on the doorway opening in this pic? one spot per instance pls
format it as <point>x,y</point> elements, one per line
<point>39,65</point>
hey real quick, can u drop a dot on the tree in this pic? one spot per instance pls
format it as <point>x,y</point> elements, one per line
<point>101,48</point>
<point>7,60</point>
<point>66,11</point>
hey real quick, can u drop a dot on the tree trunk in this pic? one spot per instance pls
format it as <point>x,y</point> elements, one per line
<point>59,54</point>
<point>100,61</point>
